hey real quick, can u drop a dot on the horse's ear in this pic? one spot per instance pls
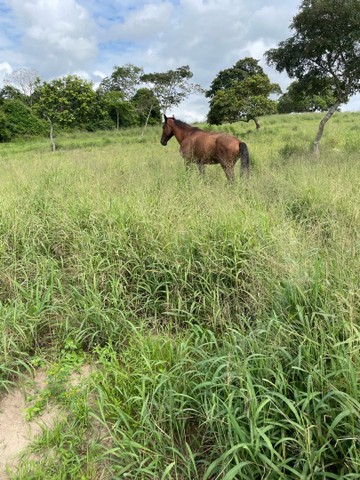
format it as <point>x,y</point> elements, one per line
<point>165,117</point>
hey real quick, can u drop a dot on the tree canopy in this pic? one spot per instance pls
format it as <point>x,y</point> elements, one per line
<point>68,101</point>
<point>304,97</point>
<point>172,87</point>
<point>241,93</point>
<point>225,79</point>
<point>17,119</point>
<point>325,46</point>
<point>125,98</point>
<point>125,79</point>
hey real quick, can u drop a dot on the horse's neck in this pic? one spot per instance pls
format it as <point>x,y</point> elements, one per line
<point>182,131</point>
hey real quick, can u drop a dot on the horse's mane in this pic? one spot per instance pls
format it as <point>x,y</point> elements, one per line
<point>183,124</point>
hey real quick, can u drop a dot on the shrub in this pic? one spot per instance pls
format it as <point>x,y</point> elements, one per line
<point>20,120</point>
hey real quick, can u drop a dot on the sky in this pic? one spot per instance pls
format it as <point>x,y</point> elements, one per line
<point>90,37</point>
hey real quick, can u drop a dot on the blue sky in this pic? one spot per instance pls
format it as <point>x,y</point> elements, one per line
<point>90,37</point>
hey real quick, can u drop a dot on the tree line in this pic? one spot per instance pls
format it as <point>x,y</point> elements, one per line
<point>322,57</point>
<point>128,97</point>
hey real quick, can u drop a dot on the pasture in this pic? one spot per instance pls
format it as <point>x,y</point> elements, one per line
<point>219,324</point>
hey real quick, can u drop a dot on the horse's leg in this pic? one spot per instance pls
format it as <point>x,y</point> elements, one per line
<point>229,172</point>
<point>187,163</point>
<point>201,168</point>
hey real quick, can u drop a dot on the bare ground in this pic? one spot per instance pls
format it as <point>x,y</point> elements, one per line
<point>16,433</point>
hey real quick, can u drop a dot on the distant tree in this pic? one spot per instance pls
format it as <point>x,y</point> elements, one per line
<point>24,80</point>
<point>17,119</point>
<point>125,79</point>
<point>241,93</point>
<point>114,100</point>
<point>225,79</point>
<point>68,102</point>
<point>118,89</point>
<point>5,134</point>
<point>301,97</point>
<point>9,92</point>
<point>325,45</point>
<point>147,107</point>
<point>172,87</point>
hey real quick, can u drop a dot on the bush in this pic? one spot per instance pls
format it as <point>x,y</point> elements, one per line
<point>5,134</point>
<point>20,120</point>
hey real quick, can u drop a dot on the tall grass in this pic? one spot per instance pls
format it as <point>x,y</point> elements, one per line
<point>223,321</point>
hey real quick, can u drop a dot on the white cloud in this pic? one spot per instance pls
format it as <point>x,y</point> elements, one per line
<point>5,67</point>
<point>99,74</point>
<point>57,37</point>
<point>143,24</point>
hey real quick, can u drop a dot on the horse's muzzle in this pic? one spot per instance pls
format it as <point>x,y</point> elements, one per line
<point>163,142</point>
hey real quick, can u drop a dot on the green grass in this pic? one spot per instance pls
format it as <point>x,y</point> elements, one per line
<point>222,322</point>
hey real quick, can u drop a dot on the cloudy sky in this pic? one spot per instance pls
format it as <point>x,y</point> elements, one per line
<point>90,37</point>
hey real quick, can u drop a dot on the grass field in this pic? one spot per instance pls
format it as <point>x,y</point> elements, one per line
<point>221,323</point>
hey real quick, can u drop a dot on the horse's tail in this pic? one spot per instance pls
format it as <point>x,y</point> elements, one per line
<point>245,158</point>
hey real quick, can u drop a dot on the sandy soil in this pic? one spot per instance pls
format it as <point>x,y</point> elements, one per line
<point>16,433</point>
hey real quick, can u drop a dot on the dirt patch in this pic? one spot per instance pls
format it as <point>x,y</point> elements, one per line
<point>16,432</point>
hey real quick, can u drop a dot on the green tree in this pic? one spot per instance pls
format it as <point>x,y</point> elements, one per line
<point>114,100</point>
<point>147,107</point>
<point>67,101</point>
<point>118,90</point>
<point>9,92</point>
<point>17,119</point>
<point>241,93</point>
<point>237,73</point>
<point>5,134</point>
<point>301,97</point>
<point>125,79</point>
<point>172,87</point>
<point>325,45</point>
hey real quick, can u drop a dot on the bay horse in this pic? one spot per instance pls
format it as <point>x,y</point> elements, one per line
<point>206,148</point>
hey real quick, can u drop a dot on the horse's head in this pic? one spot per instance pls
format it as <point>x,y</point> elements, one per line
<point>167,131</point>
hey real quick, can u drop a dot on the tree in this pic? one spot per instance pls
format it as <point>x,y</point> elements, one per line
<point>21,120</point>
<point>9,92</point>
<point>114,99</point>
<point>304,97</point>
<point>68,102</point>
<point>225,79</point>
<point>124,79</point>
<point>325,46</point>
<point>24,80</point>
<point>241,93</point>
<point>147,107</point>
<point>118,90</point>
<point>5,134</point>
<point>17,119</point>
<point>172,87</point>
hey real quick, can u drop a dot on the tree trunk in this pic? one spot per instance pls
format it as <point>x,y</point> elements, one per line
<point>53,146</point>
<point>117,120</point>
<point>256,123</point>
<point>146,121</point>
<point>247,120</point>
<point>320,132</point>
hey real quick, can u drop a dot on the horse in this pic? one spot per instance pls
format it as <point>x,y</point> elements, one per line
<point>206,148</point>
